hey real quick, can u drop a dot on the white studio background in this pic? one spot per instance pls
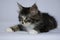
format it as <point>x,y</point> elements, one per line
<point>9,10</point>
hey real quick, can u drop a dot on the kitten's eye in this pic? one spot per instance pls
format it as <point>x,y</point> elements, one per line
<point>28,19</point>
<point>35,20</point>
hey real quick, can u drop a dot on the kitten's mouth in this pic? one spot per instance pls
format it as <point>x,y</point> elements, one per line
<point>25,22</point>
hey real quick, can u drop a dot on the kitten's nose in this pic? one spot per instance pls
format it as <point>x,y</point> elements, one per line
<point>24,21</point>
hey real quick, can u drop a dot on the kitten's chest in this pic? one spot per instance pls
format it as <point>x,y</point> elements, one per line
<point>28,26</point>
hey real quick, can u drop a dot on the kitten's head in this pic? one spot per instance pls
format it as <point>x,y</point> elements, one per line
<point>28,14</point>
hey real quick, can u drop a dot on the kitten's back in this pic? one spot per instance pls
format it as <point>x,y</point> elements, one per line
<point>50,20</point>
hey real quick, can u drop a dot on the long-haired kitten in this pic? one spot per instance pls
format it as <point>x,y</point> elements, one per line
<point>33,21</point>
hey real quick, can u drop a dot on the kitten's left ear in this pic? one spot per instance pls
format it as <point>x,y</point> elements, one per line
<point>34,9</point>
<point>34,6</point>
<point>20,6</point>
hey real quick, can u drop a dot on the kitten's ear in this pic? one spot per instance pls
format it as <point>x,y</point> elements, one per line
<point>20,6</point>
<point>34,6</point>
<point>34,9</point>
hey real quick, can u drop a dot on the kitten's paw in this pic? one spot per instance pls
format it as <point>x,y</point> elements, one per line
<point>9,30</point>
<point>33,32</point>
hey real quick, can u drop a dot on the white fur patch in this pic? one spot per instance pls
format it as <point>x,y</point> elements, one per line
<point>23,17</point>
<point>29,26</point>
<point>32,32</point>
<point>9,30</point>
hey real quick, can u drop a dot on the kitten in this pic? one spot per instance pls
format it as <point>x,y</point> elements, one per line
<point>33,21</point>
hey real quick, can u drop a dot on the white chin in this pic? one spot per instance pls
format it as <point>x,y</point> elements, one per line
<point>9,30</point>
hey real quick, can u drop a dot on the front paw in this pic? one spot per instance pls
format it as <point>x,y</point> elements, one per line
<point>32,32</point>
<point>9,30</point>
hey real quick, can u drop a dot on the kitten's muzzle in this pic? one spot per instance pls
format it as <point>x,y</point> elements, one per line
<point>25,21</point>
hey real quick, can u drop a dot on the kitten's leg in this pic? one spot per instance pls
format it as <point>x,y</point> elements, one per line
<point>15,28</point>
<point>33,32</point>
<point>44,30</point>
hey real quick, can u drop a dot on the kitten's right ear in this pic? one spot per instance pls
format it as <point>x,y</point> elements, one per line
<point>20,6</point>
